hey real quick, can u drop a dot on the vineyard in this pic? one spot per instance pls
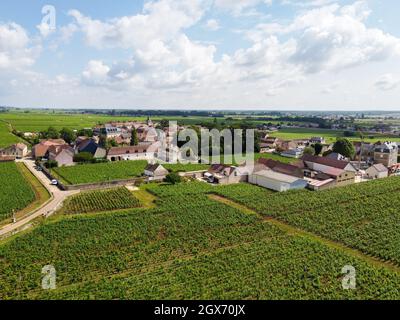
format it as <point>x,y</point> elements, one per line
<point>100,172</point>
<point>15,192</point>
<point>188,247</point>
<point>6,137</point>
<point>104,200</point>
<point>363,216</point>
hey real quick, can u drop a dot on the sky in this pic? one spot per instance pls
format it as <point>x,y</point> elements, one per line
<point>201,54</point>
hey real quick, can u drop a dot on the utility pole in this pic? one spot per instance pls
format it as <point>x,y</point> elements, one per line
<point>361,148</point>
<point>14,218</point>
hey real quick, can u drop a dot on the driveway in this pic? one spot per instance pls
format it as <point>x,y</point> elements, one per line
<point>47,209</point>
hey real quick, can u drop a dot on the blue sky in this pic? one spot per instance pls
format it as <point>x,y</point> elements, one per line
<point>202,54</point>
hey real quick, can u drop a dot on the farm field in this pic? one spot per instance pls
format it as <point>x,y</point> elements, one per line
<point>39,121</point>
<point>101,200</point>
<point>99,172</point>
<point>363,216</point>
<point>15,191</point>
<point>329,135</point>
<point>188,247</point>
<point>6,137</point>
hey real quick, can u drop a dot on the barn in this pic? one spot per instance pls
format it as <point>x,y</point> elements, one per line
<point>277,181</point>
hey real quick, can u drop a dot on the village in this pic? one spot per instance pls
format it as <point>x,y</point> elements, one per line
<point>314,164</point>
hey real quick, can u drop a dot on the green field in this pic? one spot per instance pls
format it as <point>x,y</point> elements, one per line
<point>363,216</point>
<point>99,172</point>
<point>6,137</point>
<point>189,247</point>
<point>329,135</point>
<point>40,121</point>
<point>101,200</point>
<point>15,191</point>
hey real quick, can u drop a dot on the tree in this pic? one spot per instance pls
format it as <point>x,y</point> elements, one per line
<point>51,133</point>
<point>103,141</point>
<point>344,147</point>
<point>309,150</point>
<point>173,178</point>
<point>85,133</point>
<point>83,157</point>
<point>318,148</point>
<point>163,124</point>
<point>134,137</point>
<point>51,164</point>
<point>68,135</point>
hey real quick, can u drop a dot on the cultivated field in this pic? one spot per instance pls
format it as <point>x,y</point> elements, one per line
<point>6,137</point>
<point>100,172</point>
<point>188,247</point>
<point>329,135</point>
<point>15,191</point>
<point>363,216</point>
<point>101,200</point>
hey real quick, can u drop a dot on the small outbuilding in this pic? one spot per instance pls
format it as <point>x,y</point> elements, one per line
<point>155,171</point>
<point>377,171</point>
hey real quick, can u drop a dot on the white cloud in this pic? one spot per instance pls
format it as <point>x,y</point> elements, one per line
<point>15,47</point>
<point>387,82</point>
<point>240,7</point>
<point>212,25</point>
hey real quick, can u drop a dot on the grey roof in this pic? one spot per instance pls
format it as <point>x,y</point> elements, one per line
<point>277,176</point>
<point>380,167</point>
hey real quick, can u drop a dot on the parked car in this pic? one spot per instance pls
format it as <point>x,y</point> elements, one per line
<point>54,182</point>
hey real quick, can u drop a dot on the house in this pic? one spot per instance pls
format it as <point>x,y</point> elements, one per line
<point>225,174</point>
<point>92,147</point>
<point>40,150</point>
<point>336,156</point>
<point>323,168</point>
<point>276,181</point>
<point>280,167</point>
<point>146,151</point>
<point>364,151</point>
<point>147,134</point>
<point>320,140</point>
<point>7,158</point>
<point>386,153</point>
<point>319,185</point>
<point>292,153</point>
<point>111,132</point>
<point>155,171</point>
<point>377,171</point>
<point>18,150</point>
<point>269,142</point>
<point>63,154</point>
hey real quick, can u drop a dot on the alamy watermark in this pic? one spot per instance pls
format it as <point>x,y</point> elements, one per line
<point>49,277</point>
<point>349,280</point>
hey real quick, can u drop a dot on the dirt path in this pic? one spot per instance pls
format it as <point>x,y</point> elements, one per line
<point>299,232</point>
<point>47,209</point>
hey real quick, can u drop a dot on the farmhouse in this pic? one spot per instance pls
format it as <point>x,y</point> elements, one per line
<point>276,181</point>
<point>146,151</point>
<point>40,150</point>
<point>320,140</point>
<point>90,146</point>
<point>225,174</point>
<point>63,154</point>
<point>377,171</point>
<point>155,171</point>
<point>386,153</point>
<point>292,153</point>
<point>281,167</point>
<point>322,168</point>
<point>18,150</point>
